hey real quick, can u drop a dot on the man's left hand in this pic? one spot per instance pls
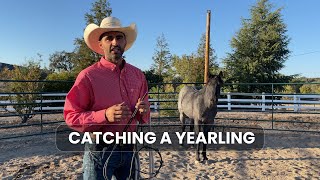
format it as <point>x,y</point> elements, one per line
<point>142,106</point>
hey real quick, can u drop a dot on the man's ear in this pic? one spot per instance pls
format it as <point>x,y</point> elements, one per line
<point>100,45</point>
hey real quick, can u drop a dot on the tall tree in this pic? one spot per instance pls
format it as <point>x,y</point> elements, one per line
<point>259,49</point>
<point>161,57</point>
<point>61,61</point>
<point>213,65</point>
<point>152,77</point>
<point>187,68</point>
<point>191,67</point>
<point>83,56</point>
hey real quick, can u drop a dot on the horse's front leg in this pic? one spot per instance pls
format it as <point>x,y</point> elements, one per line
<point>197,130</point>
<point>206,130</point>
<point>191,125</point>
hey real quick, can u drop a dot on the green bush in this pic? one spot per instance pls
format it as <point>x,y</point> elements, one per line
<point>25,86</point>
<point>59,82</point>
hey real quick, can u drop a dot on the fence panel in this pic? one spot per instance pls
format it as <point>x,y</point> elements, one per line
<point>271,110</point>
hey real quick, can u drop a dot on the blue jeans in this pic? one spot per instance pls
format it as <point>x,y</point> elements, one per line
<point>100,162</point>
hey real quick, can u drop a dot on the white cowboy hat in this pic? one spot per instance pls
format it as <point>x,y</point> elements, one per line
<point>93,32</point>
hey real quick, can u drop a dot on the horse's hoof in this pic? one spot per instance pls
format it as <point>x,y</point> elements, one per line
<point>205,162</point>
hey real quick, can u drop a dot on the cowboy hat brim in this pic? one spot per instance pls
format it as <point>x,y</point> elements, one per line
<point>93,32</point>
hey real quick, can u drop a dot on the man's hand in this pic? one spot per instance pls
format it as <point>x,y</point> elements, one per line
<point>142,107</point>
<point>118,112</point>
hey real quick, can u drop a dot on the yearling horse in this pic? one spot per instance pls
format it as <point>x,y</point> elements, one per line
<point>201,108</point>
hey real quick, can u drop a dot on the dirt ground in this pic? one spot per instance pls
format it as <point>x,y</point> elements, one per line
<point>285,155</point>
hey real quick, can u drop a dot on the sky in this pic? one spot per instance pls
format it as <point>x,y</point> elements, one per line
<point>31,27</point>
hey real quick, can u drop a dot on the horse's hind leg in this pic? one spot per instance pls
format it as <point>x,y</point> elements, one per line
<point>183,125</point>
<point>192,128</point>
<point>183,122</point>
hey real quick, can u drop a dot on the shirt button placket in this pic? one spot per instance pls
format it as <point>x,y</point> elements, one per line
<point>122,87</point>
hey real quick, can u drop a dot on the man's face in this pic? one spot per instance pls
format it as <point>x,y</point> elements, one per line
<point>113,44</point>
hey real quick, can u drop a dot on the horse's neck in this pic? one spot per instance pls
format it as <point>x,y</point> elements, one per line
<point>209,95</point>
<point>200,93</point>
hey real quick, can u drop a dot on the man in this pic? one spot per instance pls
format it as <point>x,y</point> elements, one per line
<point>104,97</point>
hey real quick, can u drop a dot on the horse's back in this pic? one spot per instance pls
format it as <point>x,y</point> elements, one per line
<point>185,100</point>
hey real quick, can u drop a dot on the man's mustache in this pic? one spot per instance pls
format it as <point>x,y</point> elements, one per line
<point>113,47</point>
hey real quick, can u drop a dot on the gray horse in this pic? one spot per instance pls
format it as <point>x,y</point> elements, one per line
<point>201,108</point>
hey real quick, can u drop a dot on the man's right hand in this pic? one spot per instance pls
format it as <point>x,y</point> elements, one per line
<point>118,112</point>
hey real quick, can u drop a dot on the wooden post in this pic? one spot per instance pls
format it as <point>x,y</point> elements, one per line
<point>206,65</point>
<point>295,102</point>
<point>263,101</point>
<point>229,101</point>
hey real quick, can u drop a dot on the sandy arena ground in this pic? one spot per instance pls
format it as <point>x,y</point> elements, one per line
<point>286,155</point>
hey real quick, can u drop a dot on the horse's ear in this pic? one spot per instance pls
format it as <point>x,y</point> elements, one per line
<point>221,74</point>
<point>210,75</point>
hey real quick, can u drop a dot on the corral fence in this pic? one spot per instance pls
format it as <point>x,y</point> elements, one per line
<point>271,110</point>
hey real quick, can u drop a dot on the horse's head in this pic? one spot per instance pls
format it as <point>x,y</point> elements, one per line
<point>216,80</point>
<point>213,86</point>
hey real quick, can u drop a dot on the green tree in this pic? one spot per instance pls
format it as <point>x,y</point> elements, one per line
<point>190,68</point>
<point>152,78</point>
<point>24,87</point>
<point>174,69</point>
<point>187,68</point>
<point>161,57</point>
<point>59,82</point>
<point>213,65</point>
<point>306,89</point>
<point>259,50</point>
<point>289,89</point>
<point>83,56</point>
<point>61,61</point>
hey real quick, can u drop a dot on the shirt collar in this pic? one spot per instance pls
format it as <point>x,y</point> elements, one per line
<point>107,64</point>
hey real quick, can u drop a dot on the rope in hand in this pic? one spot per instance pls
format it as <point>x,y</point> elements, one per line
<point>134,151</point>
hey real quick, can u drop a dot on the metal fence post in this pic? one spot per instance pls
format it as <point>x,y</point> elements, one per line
<point>272,106</point>
<point>151,163</point>
<point>41,125</point>
<point>298,103</point>
<point>158,106</point>
<point>151,155</point>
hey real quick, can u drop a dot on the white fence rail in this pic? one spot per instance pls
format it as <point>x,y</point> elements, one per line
<point>294,102</point>
<point>263,102</point>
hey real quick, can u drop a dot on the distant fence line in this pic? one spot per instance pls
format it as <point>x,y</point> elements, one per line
<point>52,103</point>
<point>290,102</point>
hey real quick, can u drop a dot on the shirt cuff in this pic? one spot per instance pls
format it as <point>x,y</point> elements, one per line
<point>100,117</point>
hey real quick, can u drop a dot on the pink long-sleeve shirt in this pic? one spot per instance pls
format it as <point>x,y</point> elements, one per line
<point>99,87</point>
